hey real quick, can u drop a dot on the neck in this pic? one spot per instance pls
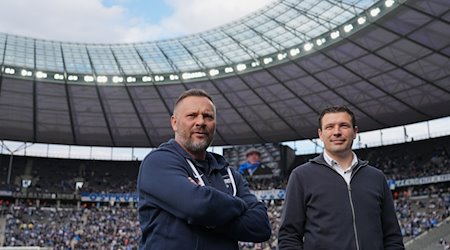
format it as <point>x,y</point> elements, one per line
<point>344,159</point>
<point>195,155</point>
<point>198,156</point>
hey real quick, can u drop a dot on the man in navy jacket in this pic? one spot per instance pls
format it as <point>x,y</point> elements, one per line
<point>337,201</point>
<point>189,198</point>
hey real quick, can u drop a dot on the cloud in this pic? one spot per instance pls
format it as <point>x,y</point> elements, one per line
<point>92,22</point>
<point>67,20</point>
<point>200,15</point>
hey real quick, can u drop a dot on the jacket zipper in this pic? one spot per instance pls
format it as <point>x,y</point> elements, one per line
<point>349,188</point>
<point>353,215</point>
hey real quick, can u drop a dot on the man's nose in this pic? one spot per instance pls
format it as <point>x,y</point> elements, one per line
<point>200,120</point>
<point>336,130</point>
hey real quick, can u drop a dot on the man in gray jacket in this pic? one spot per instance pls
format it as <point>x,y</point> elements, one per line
<point>337,201</point>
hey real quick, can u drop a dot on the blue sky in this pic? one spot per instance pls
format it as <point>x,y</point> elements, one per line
<point>118,21</point>
<point>151,11</point>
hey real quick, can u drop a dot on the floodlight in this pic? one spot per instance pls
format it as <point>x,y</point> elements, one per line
<point>40,74</point>
<point>193,75</point>
<point>361,20</point>
<point>72,78</point>
<point>213,72</point>
<point>348,28</point>
<point>146,78</point>
<point>131,79</point>
<point>294,52</point>
<point>375,12</point>
<point>389,3</point>
<point>255,64</point>
<point>10,71</point>
<point>320,41</point>
<point>267,60</point>
<point>88,78</point>
<point>308,46</point>
<point>281,56</point>
<point>25,72</point>
<point>159,78</point>
<point>58,77</point>
<point>241,67</point>
<point>117,79</point>
<point>335,34</point>
<point>102,79</point>
<point>228,70</point>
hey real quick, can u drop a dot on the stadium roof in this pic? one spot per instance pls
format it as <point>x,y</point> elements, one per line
<point>270,74</point>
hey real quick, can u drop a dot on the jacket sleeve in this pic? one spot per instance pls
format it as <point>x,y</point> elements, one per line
<point>163,182</point>
<point>253,225</point>
<point>290,234</point>
<point>392,236</point>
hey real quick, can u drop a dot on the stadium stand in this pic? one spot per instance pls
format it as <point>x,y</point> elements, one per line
<point>110,222</point>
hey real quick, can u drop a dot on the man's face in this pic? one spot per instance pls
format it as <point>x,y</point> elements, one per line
<point>337,133</point>
<point>194,123</point>
<point>253,157</point>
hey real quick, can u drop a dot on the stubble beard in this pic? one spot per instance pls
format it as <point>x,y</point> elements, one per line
<point>199,147</point>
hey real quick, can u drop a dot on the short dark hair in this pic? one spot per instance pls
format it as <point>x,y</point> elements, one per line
<point>337,109</point>
<point>192,92</point>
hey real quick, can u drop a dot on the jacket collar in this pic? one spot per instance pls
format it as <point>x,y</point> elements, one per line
<point>321,160</point>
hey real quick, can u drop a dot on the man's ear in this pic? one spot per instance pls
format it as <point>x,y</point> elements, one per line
<point>173,122</point>
<point>356,129</point>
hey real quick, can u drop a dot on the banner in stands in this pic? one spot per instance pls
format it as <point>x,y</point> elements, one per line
<point>420,181</point>
<point>272,194</point>
<point>102,197</point>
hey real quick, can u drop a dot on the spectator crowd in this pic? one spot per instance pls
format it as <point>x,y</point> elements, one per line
<point>115,226</point>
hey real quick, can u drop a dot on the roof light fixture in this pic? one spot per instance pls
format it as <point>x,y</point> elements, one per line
<point>267,60</point>
<point>255,64</point>
<point>229,69</point>
<point>335,34</point>
<point>159,78</point>
<point>213,72</point>
<point>281,56</point>
<point>146,78</point>
<point>117,79</point>
<point>102,79</point>
<point>361,20</point>
<point>308,46</point>
<point>10,71</point>
<point>25,72</point>
<point>241,67</point>
<point>374,12</point>
<point>294,52</point>
<point>40,74</point>
<point>348,28</point>
<point>72,78</point>
<point>58,77</point>
<point>389,3</point>
<point>131,79</point>
<point>320,41</point>
<point>88,78</point>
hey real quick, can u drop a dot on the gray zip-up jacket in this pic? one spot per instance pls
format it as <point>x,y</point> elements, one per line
<point>176,214</point>
<point>322,212</point>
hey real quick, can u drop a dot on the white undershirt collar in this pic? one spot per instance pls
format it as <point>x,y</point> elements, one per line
<point>346,174</point>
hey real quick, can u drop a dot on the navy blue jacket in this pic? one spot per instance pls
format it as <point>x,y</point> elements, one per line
<point>175,213</point>
<point>322,212</point>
